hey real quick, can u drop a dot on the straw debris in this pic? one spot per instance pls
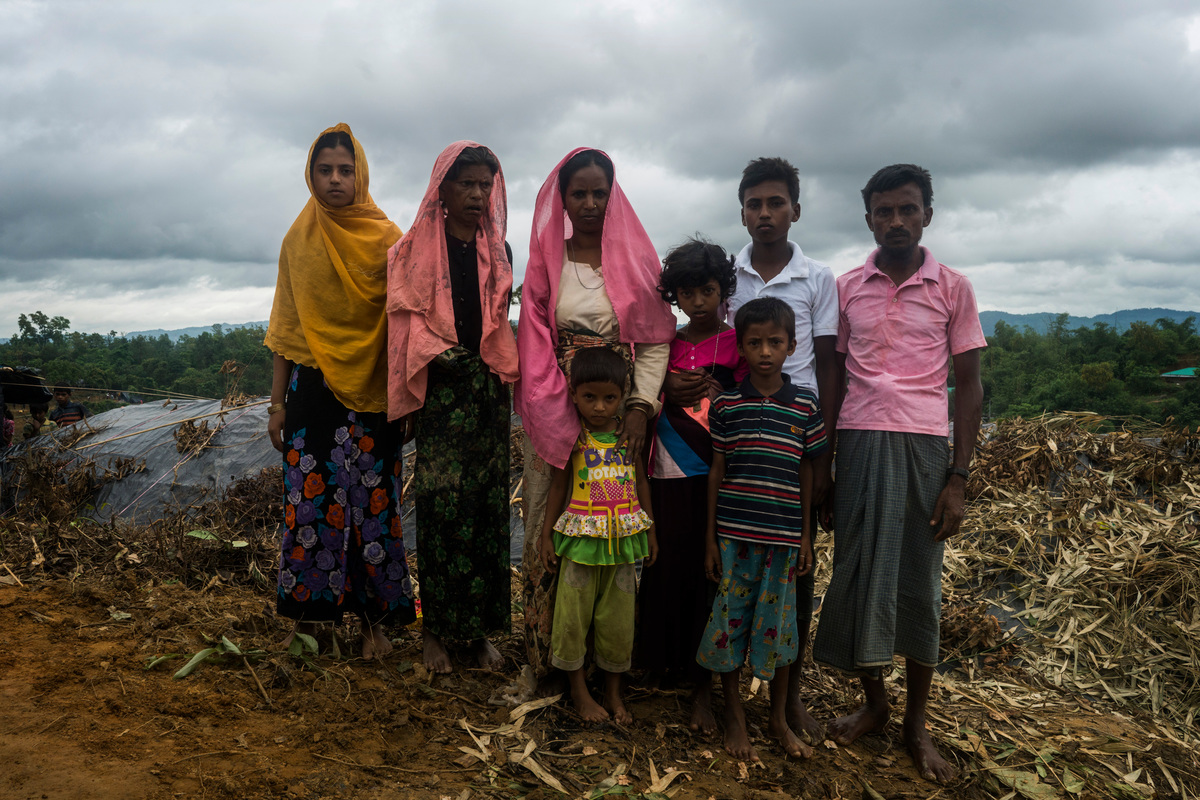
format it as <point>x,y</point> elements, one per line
<point>1091,539</point>
<point>1070,636</point>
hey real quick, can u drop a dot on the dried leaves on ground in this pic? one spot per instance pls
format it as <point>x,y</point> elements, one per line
<point>1069,636</point>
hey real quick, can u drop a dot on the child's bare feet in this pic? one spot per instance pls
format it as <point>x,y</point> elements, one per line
<point>435,655</point>
<point>588,708</point>
<point>801,722</point>
<point>737,738</point>
<point>929,761</point>
<point>788,740</point>
<point>307,628</point>
<point>486,654</point>
<point>616,709</point>
<point>375,643</point>
<point>581,697</point>
<point>613,702</point>
<point>703,720</point>
<point>868,719</point>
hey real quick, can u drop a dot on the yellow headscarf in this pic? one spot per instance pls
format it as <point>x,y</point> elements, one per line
<point>329,299</point>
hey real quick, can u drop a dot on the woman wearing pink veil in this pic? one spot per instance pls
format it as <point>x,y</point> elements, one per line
<point>591,282</point>
<point>450,352</point>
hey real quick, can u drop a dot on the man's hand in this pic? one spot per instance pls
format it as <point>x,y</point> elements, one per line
<point>951,505</point>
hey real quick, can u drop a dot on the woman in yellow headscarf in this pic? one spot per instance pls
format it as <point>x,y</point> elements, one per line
<point>343,549</point>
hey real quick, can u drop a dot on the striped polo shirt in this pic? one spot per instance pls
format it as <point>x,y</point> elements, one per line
<point>763,440</point>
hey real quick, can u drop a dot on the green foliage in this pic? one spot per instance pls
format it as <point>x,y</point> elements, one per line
<point>191,365</point>
<point>1096,369</point>
<point>217,652</point>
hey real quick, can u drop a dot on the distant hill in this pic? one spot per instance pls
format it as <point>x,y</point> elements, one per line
<point>1118,319</point>
<point>175,335</point>
<point>1040,322</point>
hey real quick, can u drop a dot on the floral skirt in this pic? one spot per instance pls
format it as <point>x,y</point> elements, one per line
<point>343,549</point>
<point>460,490</point>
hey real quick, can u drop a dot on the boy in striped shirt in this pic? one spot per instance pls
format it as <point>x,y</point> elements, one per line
<point>765,434</point>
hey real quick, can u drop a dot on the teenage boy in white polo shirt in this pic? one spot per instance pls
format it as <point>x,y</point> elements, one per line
<point>773,266</point>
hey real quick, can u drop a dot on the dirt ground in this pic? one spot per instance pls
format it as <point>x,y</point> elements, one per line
<point>81,715</point>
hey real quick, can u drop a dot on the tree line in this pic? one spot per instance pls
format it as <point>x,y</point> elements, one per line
<point>1024,372</point>
<point>190,365</point>
<point>1095,369</point>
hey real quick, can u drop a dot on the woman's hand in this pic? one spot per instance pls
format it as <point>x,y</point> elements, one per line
<point>631,433</point>
<point>275,429</point>
<point>546,553</point>
<point>685,387</point>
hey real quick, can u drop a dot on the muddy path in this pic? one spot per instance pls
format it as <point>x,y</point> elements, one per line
<point>82,716</point>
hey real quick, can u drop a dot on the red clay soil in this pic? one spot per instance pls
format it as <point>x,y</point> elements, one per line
<point>82,716</point>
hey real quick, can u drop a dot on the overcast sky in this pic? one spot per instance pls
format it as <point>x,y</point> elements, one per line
<point>154,152</point>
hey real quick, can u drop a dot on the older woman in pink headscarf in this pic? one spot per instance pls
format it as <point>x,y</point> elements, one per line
<point>450,352</point>
<point>591,282</point>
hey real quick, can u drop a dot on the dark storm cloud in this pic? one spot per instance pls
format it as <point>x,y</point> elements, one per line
<point>148,145</point>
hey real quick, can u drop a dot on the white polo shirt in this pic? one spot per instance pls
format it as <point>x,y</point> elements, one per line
<point>810,289</point>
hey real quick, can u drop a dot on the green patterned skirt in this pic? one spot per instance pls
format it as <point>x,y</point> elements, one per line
<point>460,491</point>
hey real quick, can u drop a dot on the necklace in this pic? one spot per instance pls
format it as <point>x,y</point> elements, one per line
<point>579,277</point>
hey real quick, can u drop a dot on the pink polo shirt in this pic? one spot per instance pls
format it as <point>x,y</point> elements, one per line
<point>898,341</point>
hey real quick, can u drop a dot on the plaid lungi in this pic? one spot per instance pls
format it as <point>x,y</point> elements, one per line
<point>885,595</point>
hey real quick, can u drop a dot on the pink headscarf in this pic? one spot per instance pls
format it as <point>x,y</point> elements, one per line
<point>631,275</point>
<point>420,304</point>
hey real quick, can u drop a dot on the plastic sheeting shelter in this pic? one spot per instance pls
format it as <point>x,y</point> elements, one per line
<point>171,479</point>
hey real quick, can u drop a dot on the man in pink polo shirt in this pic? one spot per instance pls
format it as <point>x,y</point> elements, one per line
<point>903,318</point>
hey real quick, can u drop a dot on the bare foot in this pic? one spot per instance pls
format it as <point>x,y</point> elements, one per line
<point>703,720</point>
<point>588,708</point>
<point>615,705</point>
<point>307,628</point>
<point>801,722</point>
<point>844,730</point>
<point>486,654</point>
<point>436,657</point>
<point>375,643</point>
<point>929,761</point>
<point>737,739</point>
<point>788,740</point>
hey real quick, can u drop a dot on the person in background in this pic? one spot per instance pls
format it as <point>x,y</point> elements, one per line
<point>38,424</point>
<point>451,351</point>
<point>343,550</point>
<point>67,411</point>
